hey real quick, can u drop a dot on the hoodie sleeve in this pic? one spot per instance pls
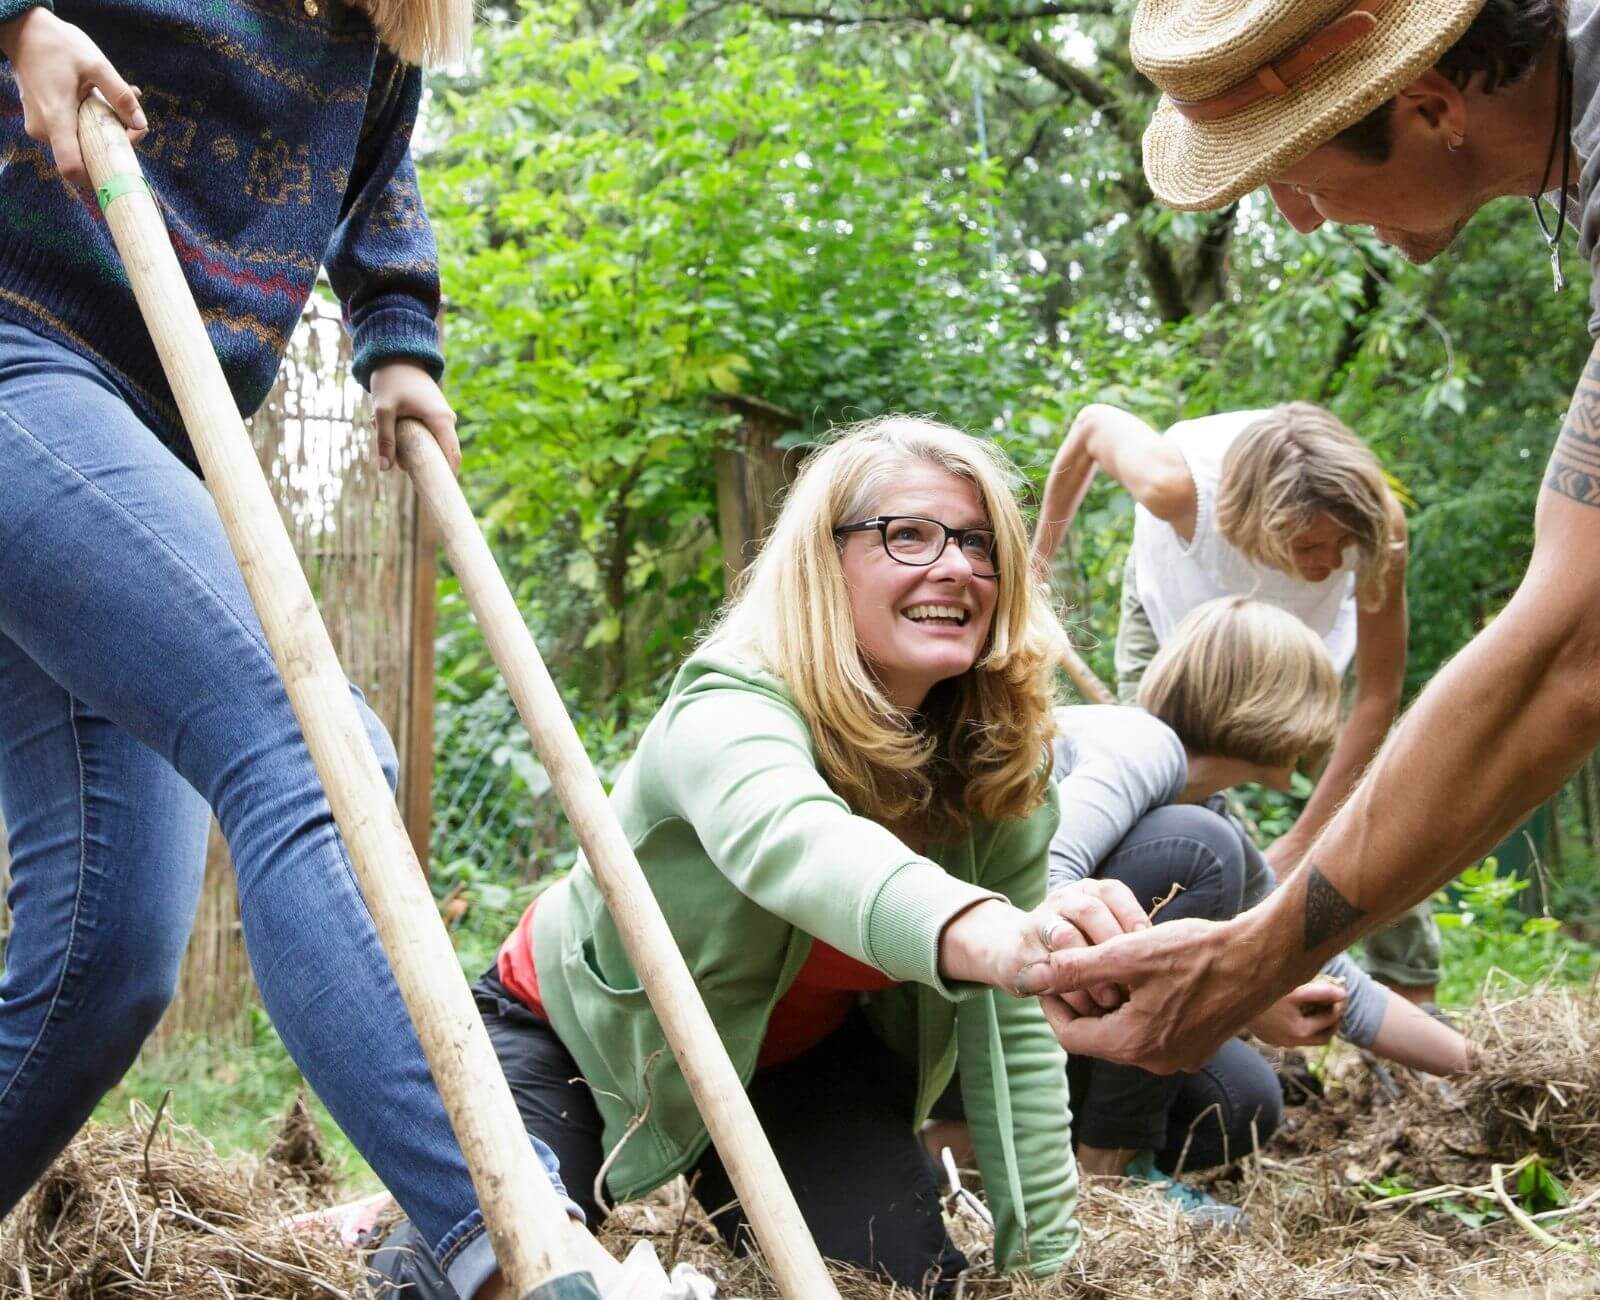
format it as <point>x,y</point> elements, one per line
<point>736,763</point>
<point>1014,1084</point>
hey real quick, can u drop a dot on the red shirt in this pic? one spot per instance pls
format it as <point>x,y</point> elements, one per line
<point>817,1003</point>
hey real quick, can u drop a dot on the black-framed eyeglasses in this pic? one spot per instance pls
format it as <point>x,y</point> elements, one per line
<point>913,540</point>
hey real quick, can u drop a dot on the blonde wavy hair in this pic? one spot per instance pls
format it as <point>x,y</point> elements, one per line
<point>979,748</point>
<point>423,31</point>
<point>1296,463</point>
<point>1240,678</point>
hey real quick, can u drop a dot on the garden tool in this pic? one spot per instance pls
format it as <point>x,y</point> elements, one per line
<point>790,1253</point>
<point>526,1222</point>
<point>1089,686</point>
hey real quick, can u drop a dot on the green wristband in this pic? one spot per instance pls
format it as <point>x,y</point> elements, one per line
<point>117,186</point>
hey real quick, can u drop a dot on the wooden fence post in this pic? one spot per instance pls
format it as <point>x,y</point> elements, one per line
<point>752,476</point>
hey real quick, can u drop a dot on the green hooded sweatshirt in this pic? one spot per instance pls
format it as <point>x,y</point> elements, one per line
<point>751,855</point>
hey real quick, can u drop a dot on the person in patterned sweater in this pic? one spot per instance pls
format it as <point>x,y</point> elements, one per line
<point>138,692</point>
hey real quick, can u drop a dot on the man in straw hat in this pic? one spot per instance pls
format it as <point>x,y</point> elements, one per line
<point>1406,116</point>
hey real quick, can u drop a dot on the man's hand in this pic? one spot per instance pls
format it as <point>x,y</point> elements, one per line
<point>57,67</point>
<point>1190,986</point>
<point>995,943</point>
<point>403,390</point>
<point>1305,1017</point>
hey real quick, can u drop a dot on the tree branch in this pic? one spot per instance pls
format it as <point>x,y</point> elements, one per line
<point>1069,77</point>
<point>971,15</point>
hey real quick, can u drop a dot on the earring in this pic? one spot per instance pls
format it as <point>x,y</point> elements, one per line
<point>1455,142</point>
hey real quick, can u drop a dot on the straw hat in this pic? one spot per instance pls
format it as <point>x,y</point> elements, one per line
<point>1250,87</point>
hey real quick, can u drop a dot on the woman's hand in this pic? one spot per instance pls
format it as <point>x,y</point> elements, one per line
<point>993,942</point>
<point>1304,1017</point>
<point>403,390</point>
<point>57,67</point>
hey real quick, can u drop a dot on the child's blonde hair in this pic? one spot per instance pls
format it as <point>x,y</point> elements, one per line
<point>1292,465</point>
<point>1240,678</point>
<point>979,746</point>
<point>423,31</point>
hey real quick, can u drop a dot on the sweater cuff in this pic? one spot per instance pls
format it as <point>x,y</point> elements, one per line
<point>393,334</point>
<point>10,9</point>
<point>1049,1257</point>
<point>905,920</point>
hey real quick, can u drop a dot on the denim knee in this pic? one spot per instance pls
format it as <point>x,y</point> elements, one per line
<point>388,759</point>
<point>1189,845</point>
<point>124,1012</point>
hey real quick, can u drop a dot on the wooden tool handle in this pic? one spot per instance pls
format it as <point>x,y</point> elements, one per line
<point>525,1219</point>
<point>764,1193</point>
<point>1089,686</point>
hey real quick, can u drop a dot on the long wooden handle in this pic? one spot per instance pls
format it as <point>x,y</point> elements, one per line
<point>790,1252</point>
<point>525,1219</point>
<point>1089,686</point>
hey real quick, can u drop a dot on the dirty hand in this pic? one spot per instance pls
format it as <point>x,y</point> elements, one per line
<point>57,67</point>
<point>1189,986</point>
<point>1304,1017</point>
<point>403,390</point>
<point>992,941</point>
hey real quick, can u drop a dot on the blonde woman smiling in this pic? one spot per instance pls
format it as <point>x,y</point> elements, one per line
<point>845,808</point>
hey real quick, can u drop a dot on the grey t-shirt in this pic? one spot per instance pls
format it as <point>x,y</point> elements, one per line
<point>1583,49</point>
<point>1113,764</point>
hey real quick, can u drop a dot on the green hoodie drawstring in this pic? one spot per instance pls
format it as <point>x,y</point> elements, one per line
<point>1003,1114</point>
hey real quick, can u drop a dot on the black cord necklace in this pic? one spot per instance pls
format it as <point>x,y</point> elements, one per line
<point>1564,127</point>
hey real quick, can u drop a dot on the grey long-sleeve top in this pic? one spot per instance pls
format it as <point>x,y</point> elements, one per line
<point>1115,763</point>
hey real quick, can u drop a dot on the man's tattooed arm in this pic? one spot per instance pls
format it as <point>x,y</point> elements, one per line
<point>1328,912</point>
<point>1575,467</point>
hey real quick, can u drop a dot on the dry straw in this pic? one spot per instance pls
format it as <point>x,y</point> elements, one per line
<point>149,1209</point>
<point>104,1224</point>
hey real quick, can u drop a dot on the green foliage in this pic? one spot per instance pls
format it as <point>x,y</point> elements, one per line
<point>1537,1190</point>
<point>652,213</point>
<point>1484,930</point>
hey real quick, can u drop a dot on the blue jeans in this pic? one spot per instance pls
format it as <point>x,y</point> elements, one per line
<point>136,691</point>
<point>1217,1113</point>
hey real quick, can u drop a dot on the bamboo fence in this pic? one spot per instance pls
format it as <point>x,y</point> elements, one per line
<point>357,534</point>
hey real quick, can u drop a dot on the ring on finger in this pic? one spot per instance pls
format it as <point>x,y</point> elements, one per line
<point>1047,929</point>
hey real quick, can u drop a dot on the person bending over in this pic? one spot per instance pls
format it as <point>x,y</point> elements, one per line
<point>1241,691</point>
<point>845,809</point>
<point>1286,505</point>
<point>1239,694</point>
<point>139,693</point>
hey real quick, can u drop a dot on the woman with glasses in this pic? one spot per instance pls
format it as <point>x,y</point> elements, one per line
<point>845,809</point>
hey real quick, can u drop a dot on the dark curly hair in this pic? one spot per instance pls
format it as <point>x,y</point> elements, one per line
<point>1503,43</point>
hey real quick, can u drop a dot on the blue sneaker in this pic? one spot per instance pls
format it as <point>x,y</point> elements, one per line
<point>1200,1208</point>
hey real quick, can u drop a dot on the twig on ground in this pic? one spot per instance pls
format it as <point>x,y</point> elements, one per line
<point>1520,1216</point>
<point>155,1124</point>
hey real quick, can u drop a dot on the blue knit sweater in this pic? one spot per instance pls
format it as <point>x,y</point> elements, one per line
<point>279,141</point>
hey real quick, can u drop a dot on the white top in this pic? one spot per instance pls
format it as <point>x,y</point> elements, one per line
<point>1174,576</point>
<point>1113,764</point>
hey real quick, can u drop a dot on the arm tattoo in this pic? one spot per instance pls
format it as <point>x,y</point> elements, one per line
<point>1328,912</point>
<point>1575,467</point>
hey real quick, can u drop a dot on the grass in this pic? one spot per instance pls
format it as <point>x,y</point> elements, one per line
<point>234,1094</point>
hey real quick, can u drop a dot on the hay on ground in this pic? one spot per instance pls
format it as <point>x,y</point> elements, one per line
<point>101,1224</point>
<point>149,1209</point>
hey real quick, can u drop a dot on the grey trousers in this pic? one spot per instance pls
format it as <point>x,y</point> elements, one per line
<point>1406,951</point>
